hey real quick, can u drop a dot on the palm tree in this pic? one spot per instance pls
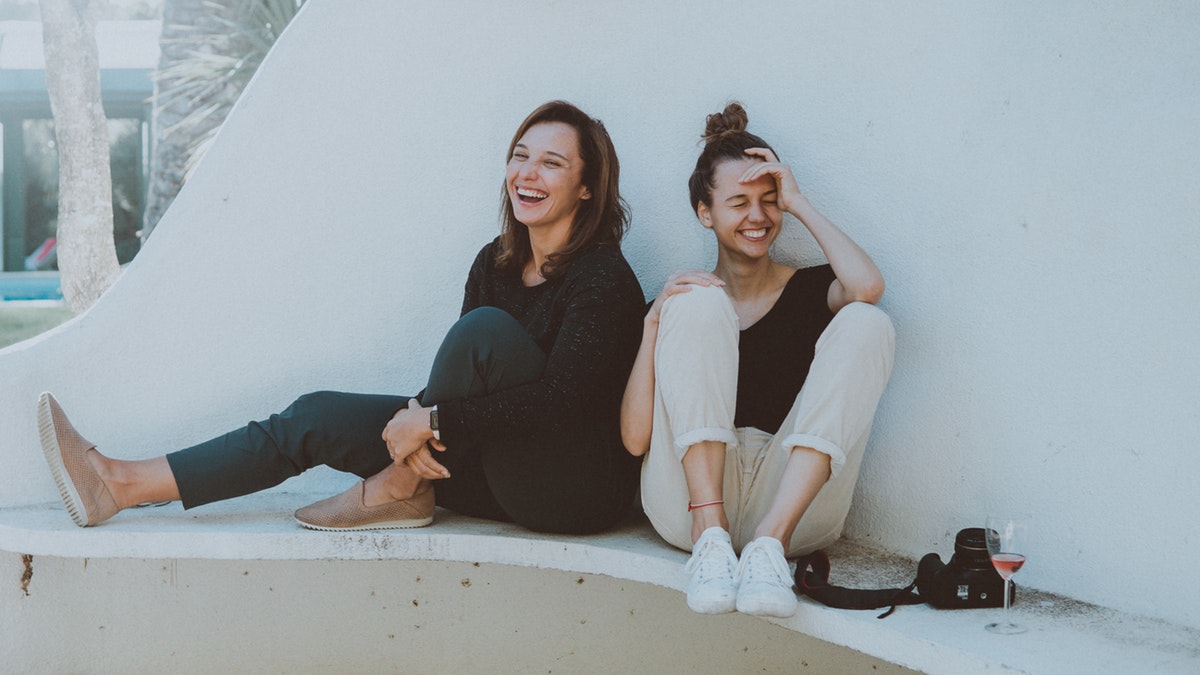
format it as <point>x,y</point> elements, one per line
<point>209,51</point>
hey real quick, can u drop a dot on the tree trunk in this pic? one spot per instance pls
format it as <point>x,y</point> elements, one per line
<point>87,256</point>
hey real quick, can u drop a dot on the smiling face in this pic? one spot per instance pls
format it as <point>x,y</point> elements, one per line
<point>545,177</point>
<point>745,216</point>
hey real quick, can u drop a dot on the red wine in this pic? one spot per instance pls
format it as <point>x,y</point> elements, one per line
<point>1007,564</point>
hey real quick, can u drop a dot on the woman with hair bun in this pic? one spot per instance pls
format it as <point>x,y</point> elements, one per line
<point>759,449</point>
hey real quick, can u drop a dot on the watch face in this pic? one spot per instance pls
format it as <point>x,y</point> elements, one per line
<point>433,420</point>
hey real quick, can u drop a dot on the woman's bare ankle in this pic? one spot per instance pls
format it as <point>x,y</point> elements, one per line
<point>393,484</point>
<point>106,469</point>
<point>133,482</point>
<point>706,517</point>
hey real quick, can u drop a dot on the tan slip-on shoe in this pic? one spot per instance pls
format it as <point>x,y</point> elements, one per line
<point>83,492</point>
<point>348,511</point>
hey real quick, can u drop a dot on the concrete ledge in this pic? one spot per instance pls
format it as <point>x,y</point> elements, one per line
<point>1064,636</point>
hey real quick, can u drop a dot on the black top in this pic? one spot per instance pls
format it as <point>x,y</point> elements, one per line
<point>776,352</point>
<point>589,324</point>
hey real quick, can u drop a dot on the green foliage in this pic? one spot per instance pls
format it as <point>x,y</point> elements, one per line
<point>19,322</point>
<point>219,64</point>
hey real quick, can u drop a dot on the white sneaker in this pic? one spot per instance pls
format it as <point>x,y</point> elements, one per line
<point>765,580</point>
<point>711,589</point>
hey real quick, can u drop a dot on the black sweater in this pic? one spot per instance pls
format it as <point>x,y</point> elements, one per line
<point>587,321</point>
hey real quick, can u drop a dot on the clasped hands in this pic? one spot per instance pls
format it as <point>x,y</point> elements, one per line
<point>410,441</point>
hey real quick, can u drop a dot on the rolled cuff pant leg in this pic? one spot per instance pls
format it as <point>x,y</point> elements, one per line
<point>695,396</point>
<point>832,414</point>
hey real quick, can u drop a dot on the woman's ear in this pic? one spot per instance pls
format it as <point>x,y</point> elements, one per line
<point>586,193</point>
<point>704,214</point>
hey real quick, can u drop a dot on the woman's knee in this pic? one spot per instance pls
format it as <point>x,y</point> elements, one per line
<point>312,405</point>
<point>483,319</point>
<point>698,326</point>
<point>867,323</point>
<point>486,350</point>
<point>701,308</point>
<point>338,413</point>
<point>483,326</point>
<point>292,430</point>
<point>319,413</point>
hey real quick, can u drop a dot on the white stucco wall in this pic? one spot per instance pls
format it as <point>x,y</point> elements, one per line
<point>1023,173</point>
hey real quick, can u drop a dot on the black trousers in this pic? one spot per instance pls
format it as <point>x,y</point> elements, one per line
<point>560,478</point>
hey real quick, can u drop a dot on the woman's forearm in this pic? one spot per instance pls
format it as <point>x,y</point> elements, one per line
<point>637,404</point>
<point>858,278</point>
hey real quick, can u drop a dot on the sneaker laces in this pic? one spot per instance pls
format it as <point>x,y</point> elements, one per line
<point>711,561</point>
<point>759,566</point>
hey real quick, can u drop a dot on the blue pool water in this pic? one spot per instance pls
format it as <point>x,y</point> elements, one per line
<point>30,286</point>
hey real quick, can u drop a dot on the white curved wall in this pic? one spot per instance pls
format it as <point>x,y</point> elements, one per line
<point>1024,175</point>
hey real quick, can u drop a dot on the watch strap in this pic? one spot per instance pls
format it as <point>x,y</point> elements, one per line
<point>433,423</point>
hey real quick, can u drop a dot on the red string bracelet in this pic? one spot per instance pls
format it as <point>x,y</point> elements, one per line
<point>698,506</point>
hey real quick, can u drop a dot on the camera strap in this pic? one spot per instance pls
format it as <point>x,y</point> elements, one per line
<point>812,579</point>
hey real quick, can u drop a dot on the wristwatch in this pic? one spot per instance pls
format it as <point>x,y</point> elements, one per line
<point>433,423</point>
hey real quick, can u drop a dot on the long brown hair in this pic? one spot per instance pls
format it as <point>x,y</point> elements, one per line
<point>725,137</point>
<point>604,218</point>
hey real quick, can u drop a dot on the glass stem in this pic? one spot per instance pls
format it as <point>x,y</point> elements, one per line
<point>1007,616</point>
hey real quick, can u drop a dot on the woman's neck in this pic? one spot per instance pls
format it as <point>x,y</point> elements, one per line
<point>754,286</point>
<point>748,279</point>
<point>542,243</point>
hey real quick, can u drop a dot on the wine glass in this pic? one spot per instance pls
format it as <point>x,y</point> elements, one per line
<point>1006,542</point>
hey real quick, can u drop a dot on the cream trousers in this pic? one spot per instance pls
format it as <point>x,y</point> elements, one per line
<point>696,367</point>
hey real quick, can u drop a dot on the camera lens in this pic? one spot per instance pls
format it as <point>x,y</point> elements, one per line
<point>970,548</point>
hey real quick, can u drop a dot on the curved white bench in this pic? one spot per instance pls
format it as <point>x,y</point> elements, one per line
<point>1065,635</point>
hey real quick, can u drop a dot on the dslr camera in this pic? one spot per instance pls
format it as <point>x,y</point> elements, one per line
<point>967,581</point>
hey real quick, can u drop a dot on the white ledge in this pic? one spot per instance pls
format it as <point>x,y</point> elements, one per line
<point>1064,635</point>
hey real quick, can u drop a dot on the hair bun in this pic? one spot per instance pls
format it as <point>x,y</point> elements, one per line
<point>732,120</point>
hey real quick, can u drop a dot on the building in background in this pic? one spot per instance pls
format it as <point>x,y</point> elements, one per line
<point>129,53</point>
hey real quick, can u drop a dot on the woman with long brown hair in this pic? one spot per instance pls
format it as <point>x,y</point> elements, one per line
<point>519,420</point>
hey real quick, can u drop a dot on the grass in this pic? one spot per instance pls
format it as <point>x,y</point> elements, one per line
<point>19,322</point>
